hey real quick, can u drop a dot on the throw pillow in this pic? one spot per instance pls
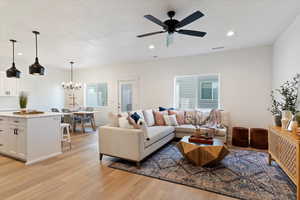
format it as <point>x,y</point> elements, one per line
<point>139,112</point>
<point>179,115</point>
<point>124,123</point>
<point>165,109</point>
<point>149,117</point>
<point>202,116</point>
<point>170,120</point>
<point>135,117</point>
<point>136,125</point>
<point>189,117</point>
<point>159,118</point>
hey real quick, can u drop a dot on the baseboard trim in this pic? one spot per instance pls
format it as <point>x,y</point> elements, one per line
<point>30,162</point>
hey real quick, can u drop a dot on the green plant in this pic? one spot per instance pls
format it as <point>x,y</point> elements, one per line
<point>23,99</point>
<point>287,93</point>
<point>275,106</point>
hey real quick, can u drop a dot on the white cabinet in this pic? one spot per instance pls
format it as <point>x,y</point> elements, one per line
<point>30,138</point>
<point>8,86</point>
<point>3,132</point>
<point>12,137</point>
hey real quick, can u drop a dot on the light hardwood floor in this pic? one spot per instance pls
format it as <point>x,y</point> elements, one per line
<point>78,174</point>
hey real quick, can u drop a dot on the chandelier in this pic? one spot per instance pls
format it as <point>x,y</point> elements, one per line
<point>71,85</point>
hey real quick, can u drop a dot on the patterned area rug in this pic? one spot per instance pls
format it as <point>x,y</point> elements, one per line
<point>242,174</point>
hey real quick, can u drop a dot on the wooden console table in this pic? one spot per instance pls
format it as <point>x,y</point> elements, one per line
<point>284,148</point>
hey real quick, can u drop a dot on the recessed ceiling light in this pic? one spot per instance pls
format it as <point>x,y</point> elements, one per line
<point>20,54</point>
<point>151,46</point>
<point>230,33</point>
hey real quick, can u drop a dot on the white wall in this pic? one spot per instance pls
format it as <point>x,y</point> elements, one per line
<point>245,81</point>
<point>286,54</point>
<point>45,92</point>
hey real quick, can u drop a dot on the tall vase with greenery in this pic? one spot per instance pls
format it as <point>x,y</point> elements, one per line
<point>284,99</point>
<point>23,100</point>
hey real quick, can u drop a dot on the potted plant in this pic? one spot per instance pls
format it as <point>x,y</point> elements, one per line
<point>275,110</point>
<point>287,99</point>
<point>23,99</point>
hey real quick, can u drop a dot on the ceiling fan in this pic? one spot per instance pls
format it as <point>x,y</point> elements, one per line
<point>172,25</point>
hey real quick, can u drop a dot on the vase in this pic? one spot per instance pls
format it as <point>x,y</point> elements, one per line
<point>284,124</point>
<point>297,117</point>
<point>277,120</point>
<point>293,125</point>
<point>286,114</point>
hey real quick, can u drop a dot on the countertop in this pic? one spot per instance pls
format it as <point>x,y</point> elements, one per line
<point>46,114</point>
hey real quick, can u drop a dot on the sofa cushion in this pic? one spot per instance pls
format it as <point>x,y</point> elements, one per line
<point>179,115</point>
<point>189,117</point>
<point>221,132</point>
<point>159,118</point>
<point>149,117</point>
<point>135,116</point>
<point>170,120</point>
<point>156,133</point>
<point>187,128</point>
<point>139,112</point>
<point>165,109</point>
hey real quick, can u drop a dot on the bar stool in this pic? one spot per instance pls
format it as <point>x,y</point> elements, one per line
<point>65,134</point>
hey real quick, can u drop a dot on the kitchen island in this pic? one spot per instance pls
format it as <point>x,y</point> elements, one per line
<point>30,138</point>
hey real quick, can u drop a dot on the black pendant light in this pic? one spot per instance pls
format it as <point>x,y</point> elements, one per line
<point>13,72</point>
<point>36,68</point>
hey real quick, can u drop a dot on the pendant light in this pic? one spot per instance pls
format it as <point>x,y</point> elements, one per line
<point>71,85</point>
<point>36,68</point>
<point>13,72</point>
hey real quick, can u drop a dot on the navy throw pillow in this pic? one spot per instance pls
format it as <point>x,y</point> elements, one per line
<point>164,109</point>
<point>135,117</point>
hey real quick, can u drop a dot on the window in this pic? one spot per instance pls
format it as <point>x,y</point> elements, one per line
<point>96,95</point>
<point>197,91</point>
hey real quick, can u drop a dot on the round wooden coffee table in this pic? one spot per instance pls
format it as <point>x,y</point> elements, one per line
<point>202,154</point>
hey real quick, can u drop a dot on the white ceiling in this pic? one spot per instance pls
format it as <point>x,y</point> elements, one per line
<point>96,32</point>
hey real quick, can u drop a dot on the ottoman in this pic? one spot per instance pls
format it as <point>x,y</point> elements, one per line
<point>259,138</point>
<point>240,136</point>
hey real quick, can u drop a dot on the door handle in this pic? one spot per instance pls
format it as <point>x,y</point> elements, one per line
<point>17,131</point>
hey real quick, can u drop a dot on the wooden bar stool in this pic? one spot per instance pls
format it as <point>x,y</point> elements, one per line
<point>259,138</point>
<point>65,134</point>
<point>240,136</point>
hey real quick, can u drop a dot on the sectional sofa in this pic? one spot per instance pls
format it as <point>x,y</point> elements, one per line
<point>136,144</point>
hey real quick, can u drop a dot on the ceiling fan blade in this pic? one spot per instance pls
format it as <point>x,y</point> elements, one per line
<point>156,21</point>
<point>148,34</point>
<point>193,17</point>
<point>192,33</point>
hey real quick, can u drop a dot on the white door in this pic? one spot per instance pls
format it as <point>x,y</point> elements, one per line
<point>128,95</point>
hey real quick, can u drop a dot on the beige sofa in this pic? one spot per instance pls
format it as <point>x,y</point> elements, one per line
<point>136,144</point>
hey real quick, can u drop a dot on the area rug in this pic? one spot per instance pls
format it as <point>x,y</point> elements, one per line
<point>242,174</point>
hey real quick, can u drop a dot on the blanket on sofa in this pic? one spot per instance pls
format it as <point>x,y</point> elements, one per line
<point>214,120</point>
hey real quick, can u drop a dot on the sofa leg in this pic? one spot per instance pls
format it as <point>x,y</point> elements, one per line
<point>138,165</point>
<point>100,156</point>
